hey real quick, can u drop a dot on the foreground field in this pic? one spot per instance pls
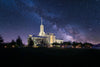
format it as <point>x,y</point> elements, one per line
<point>49,56</point>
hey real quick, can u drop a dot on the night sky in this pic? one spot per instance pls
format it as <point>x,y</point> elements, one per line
<point>71,20</point>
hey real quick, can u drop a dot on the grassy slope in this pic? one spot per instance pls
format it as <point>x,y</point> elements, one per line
<point>49,55</point>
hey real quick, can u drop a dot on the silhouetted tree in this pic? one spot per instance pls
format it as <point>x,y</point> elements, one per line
<point>55,43</point>
<point>13,42</point>
<point>30,42</point>
<point>19,41</point>
<point>81,45</point>
<point>66,43</point>
<point>74,44</point>
<point>1,41</point>
<point>87,45</point>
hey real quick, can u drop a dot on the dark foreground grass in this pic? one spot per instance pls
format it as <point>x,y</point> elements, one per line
<point>50,56</point>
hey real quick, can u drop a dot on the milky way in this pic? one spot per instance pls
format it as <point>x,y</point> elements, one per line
<point>71,20</point>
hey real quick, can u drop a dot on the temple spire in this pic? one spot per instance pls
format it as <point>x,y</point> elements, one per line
<point>42,33</point>
<point>41,21</point>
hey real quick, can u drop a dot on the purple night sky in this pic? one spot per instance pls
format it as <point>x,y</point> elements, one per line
<point>71,20</point>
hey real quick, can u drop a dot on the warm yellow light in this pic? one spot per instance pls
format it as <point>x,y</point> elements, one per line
<point>51,45</point>
<point>63,46</point>
<point>51,39</point>
<point>13,46</point>
<point>72,46</point>
<point>35,46</point>
<point>5,46</point>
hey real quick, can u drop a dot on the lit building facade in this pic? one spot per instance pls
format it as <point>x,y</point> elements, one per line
<point>48,38</point>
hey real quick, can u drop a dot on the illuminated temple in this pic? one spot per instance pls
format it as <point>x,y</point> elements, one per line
<point>48,38</point>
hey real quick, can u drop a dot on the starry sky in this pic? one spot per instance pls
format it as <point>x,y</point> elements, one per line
<point>70,20</point>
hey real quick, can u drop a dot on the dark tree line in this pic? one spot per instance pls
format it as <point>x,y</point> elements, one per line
<point>1,41</point>
<point>13,44</point>
<point>74,44</point>
<point>19,44</point>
